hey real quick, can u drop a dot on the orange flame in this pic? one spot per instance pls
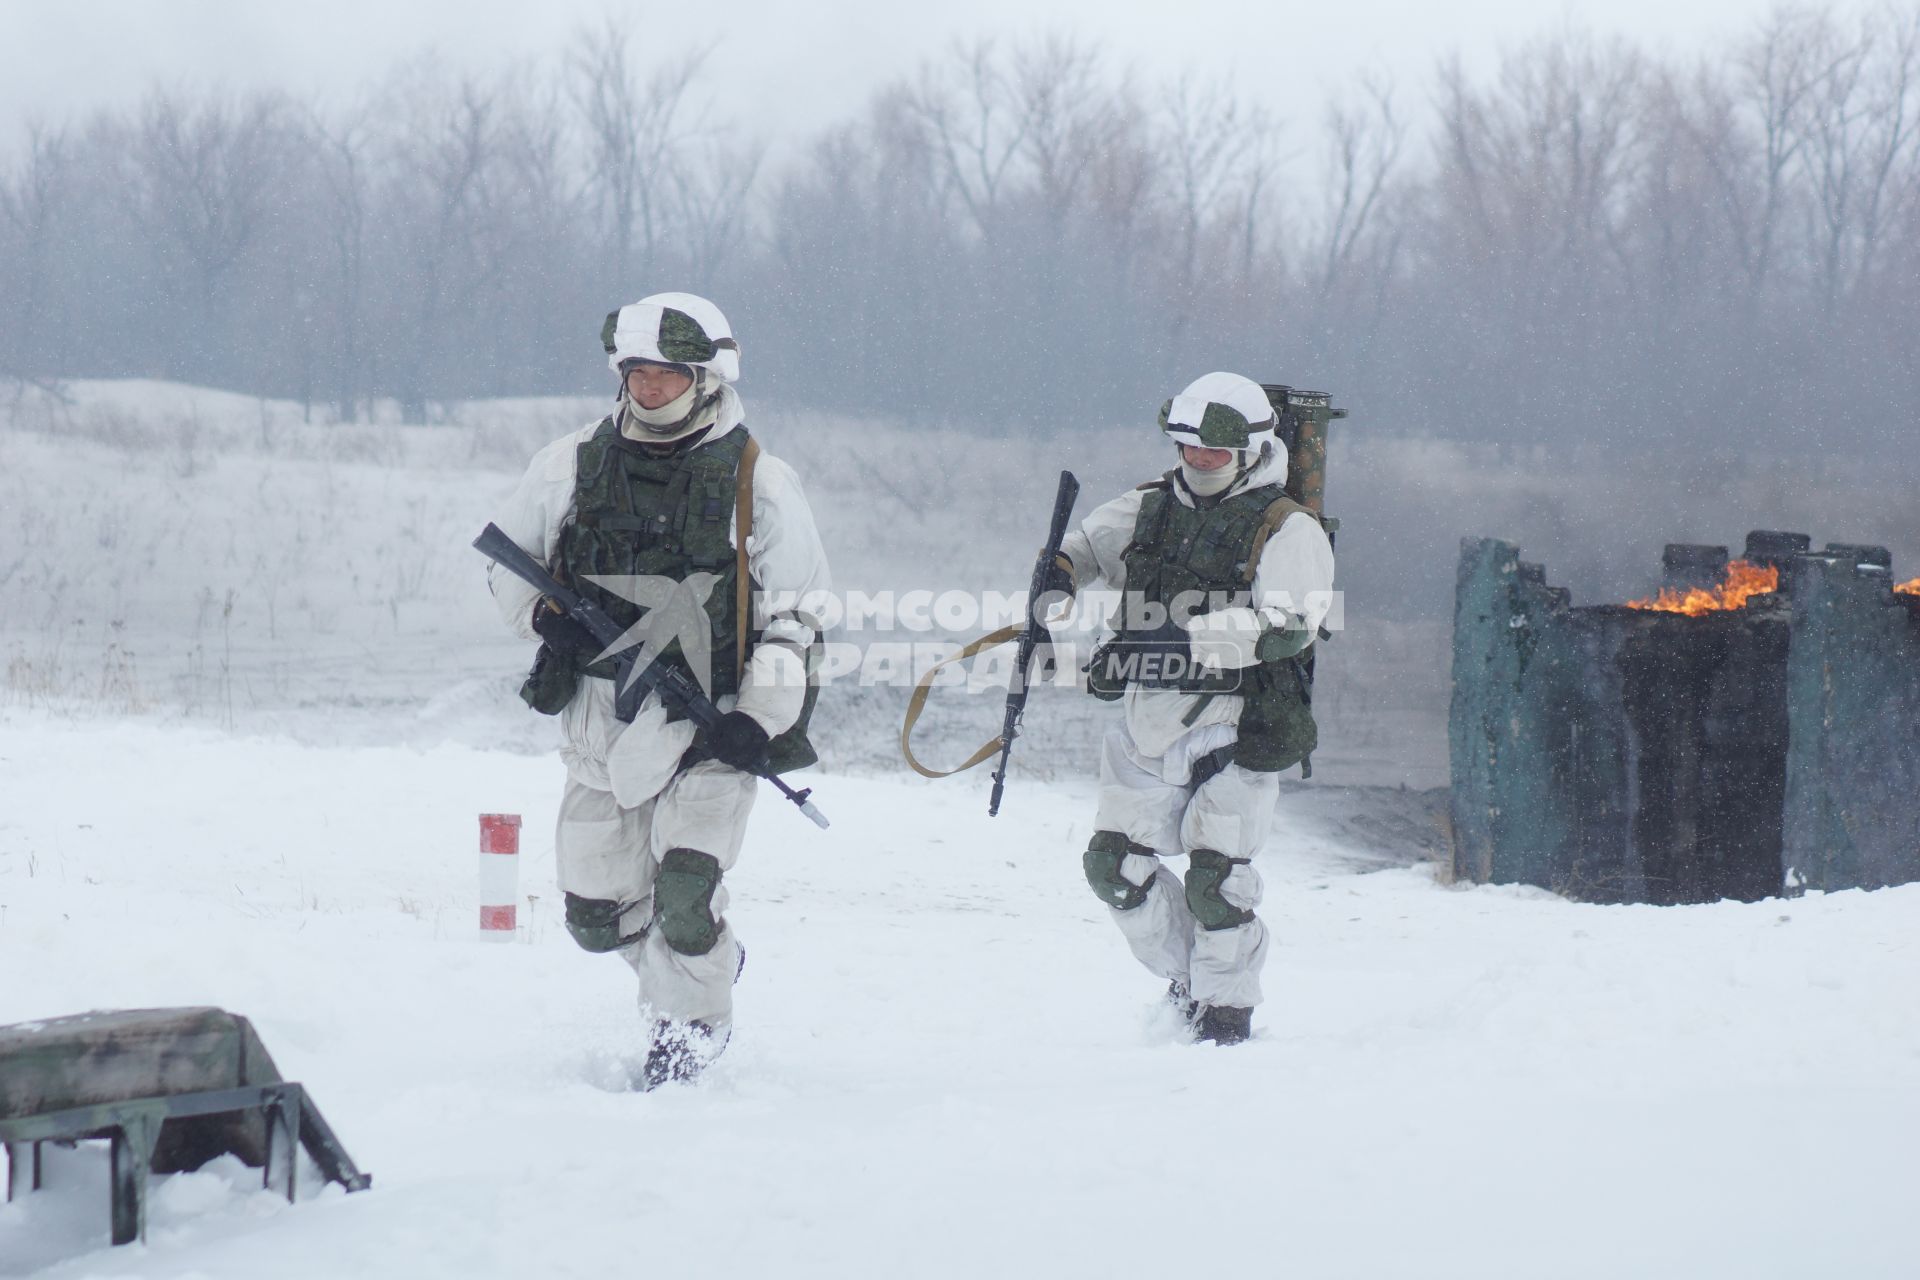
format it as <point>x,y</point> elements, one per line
<point>1744,581</point>
<point>1909,588</point>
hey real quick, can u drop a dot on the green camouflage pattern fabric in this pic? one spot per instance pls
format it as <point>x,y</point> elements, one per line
<point>683,901</point>
<point>638,513</point>
<point>1207,870</point>
<point>1307,464</point>
<point>682,340</point>
<point>1304,416</point>
<point>1177,550</point>
<point>1221,426</point>
<point>1101,862</point>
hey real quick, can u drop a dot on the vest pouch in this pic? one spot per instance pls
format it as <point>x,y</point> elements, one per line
<point>1103,679</point>
<point>550,685</point>
<point>792,749</point>
<point>1218,550</point>
<point>1277,730</point>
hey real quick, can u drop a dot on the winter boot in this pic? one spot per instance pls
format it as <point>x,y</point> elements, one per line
<point>680,1051</point>
<point>1183,1004</point>
<point>1224,1024</point>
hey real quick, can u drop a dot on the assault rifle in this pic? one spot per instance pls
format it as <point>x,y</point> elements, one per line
<point>676,688</point>
<point>1033,633</point>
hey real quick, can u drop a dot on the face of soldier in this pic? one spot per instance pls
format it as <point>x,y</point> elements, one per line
<point>1205,459</point>
<point>652,385</point>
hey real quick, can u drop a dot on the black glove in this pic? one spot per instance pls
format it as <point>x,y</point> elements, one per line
<point>1059,577</point>
<point>561,633</point>
<point>737,739</point>
<point>1057,580</point>
<point>1160,658</point>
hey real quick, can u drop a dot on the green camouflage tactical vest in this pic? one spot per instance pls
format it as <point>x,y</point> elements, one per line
<point>670,516</point>
<point>1212,551</point>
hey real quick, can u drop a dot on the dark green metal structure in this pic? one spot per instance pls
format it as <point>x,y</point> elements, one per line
<point>170,1089</point>
<point>1853,760</point>
<point>1625,755</point>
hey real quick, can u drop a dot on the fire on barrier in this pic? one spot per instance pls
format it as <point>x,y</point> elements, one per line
<point>1746,732</point>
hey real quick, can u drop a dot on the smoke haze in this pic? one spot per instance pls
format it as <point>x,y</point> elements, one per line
<point>1590,295</point>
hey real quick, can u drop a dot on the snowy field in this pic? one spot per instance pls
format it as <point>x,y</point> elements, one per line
<point>255,696</point>
<point>202,556</point>
<point>946,1063</point>
<point>213,558</point>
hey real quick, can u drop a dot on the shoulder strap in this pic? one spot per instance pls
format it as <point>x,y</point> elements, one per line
<point>918,703</point>
<point>1152,515</point>
<point>742,527</point>
<point>1275,515</point>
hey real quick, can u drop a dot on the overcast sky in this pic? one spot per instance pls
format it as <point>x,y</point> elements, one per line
<point>784,68</point>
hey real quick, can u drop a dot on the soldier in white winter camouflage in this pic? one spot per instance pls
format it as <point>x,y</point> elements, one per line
<point>665,510</point>
<point>1224,581</point>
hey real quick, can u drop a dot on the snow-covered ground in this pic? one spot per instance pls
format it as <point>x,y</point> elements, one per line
<point>210,557</point>
<point>255,697</point>
<point>946,1063</point>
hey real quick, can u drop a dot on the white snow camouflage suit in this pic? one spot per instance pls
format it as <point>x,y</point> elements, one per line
<point>627,800</point>
<point>1147,762</point>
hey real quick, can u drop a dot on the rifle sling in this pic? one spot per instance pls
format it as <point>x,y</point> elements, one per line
<point>742,529</point>
<point>917,703</point>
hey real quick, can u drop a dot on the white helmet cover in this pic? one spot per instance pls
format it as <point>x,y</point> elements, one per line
<point>1221,411</point>
<point>672,328</point>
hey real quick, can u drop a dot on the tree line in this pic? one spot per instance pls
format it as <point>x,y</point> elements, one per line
<point>1589,241</point>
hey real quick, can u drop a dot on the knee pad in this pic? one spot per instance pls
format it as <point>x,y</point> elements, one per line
<point>1206,872</point>
<point>595,923</point>
<point>683,901</point>
<point>1105,852</point>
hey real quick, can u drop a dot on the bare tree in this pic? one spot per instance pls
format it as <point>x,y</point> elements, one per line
<point>1525,240</point>
<point>1124,183</point>
<point>342,162</point>
<point>970,112</point>
<point>206,177</point>
<point>1591,237</point>
<point>1750,129</point>
<point>1350,244</point>
<point>1214,147</point>
<point>1365,139</point>
<point>526,246</point>
<point>1685,254</point>
<point>634,137</point>
<point>34,201</point>
<point>1859,133</point>
<point>442,141</point>
<point>712,208</point>
<point>1068,120</point>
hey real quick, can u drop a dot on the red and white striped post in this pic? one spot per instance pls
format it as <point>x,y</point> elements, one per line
<point>499,875</point>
